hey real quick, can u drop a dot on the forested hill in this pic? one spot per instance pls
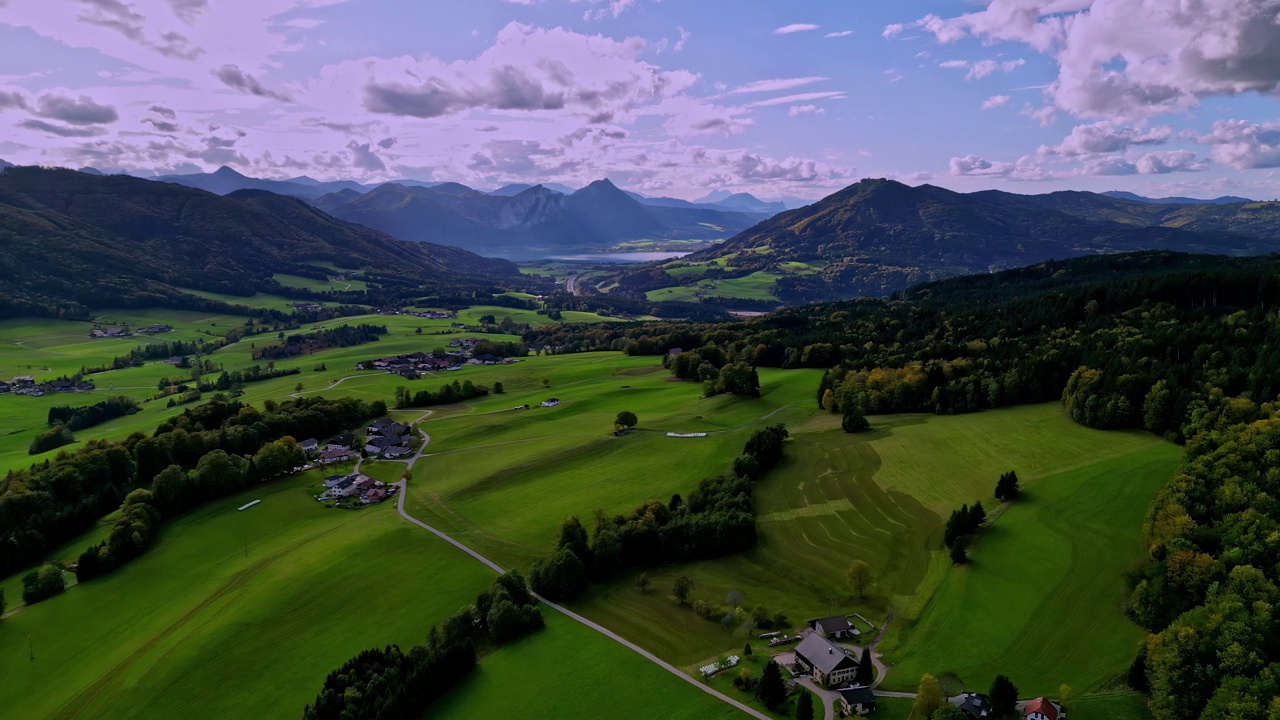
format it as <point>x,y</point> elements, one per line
<point>70,240</point>
<point>880,236</point>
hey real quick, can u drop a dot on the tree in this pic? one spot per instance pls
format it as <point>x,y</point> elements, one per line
<point>642,582</point>
<point>681,588</point>
<point>859,576</point>
<point>1064,695</point>
<point>1007,489</point>
<point>772,691</point>
<point>1004,697</point>
<point>928,697</point>
<point>746,649</point>
<point>498,389</point>
<point>42,583</point>
<point>297,388</point>
<point>866,669</point>
<point>546,382</point>
<point>804,705</point>
<point>626,419</point>
<point>854,421</point>
<point>959,550</point>
<point>949,712</point>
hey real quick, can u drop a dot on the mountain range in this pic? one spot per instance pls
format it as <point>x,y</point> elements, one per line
<point>880,236</point>
<point>532,221</point>
<point>1223,200</point>
<point>72,239</point>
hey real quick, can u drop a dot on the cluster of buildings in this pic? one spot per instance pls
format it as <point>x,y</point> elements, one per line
<point>431,314</point>
<point>308,307</point>
<point>365,489</point>
<point>978,707</point>
<point>410,364</point>
<point>25,385</point>
<point>155,329</point>
<point>385,438</point>
<point>109,332</point>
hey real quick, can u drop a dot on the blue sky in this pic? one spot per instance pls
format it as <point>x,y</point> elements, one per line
<point>664,97</point>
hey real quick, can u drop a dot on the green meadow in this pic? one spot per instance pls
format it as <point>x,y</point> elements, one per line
<point>1040,600</point>
<point>329,285</point>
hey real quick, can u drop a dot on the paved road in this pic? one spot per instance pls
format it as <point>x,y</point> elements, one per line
<point>571,284</point>
<point>404,490</point>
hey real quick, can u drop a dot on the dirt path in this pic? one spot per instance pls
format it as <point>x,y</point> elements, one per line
<point>404,490</point>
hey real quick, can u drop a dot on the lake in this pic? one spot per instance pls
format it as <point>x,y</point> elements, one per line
<point>621,257</point>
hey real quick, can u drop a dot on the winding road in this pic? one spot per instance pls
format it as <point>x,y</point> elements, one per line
<point>404,490</point>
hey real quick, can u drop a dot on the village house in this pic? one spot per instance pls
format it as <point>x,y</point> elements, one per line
<point>551,402</point>
<point>334,480</point>
<point>332,456</point>
<point>857,701</point>
<point>342,441</point>
<point>309,446</point>
<point>375,444</point>
<point>975,705</point>
<point>374,495</point>
<point>396,451</point>
<point>1042,709</point>
<point>830,666</point>
<point>674,352</point>
<point>835,628</point>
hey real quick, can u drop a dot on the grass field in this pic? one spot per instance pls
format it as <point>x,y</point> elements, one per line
<point>295,281</point>
<point>569,671</point>
<point>756,286</point>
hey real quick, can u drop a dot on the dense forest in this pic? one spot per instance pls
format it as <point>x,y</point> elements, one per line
<point>219,446</point>
<point>334,337</point>
<point>1138,340</point>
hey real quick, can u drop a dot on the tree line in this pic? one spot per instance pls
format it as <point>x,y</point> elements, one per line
<point>389,684</point>
<point>86,416</point>
<point>334,337</point>
<point>716,519</point>
<point>448,393</point>
<point>55,500</point>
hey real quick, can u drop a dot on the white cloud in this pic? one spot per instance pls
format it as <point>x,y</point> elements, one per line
<point>839,34</point>
<point>1127,59</point>
<point>1245,145</point>
<point>1106,137</point>
<point>775,85</point>
<point>795,28</point>
<point>795,110</point>
<point>684,38</point>
<point>983,68</point>
<point>798,98</point>
<point>995,101</point>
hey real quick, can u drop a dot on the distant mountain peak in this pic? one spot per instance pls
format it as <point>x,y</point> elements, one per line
<point>227,172</point>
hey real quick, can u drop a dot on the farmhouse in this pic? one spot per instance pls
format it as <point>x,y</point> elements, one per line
<point>341,442</point>
<point>396,451</point>
<point>1042,709</point>
<point>333,456</point>
<point>974,705</point>
<point>830,666</point>
<point>310,445</point>
<point>673,352</point>
<point>857,701</point>
<point>551,402</point>
<point>836,628</point>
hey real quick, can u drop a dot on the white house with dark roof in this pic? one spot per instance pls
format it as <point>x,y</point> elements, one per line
<point>836,628</point>
<point>857,700</point>
<point>828,663</point>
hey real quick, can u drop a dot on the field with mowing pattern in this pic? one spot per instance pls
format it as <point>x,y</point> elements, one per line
<point>330,285</point>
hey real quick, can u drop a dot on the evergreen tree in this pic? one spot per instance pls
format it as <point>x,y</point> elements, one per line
<point>1004,697</point>
<point>772,691</point>
<point>866,669</point>
<point>854,421</point>
<point>960,550</point>
<point>804,705</point>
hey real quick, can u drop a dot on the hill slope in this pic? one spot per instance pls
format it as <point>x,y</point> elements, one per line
<point>73,239</point>
<point>880,236</point>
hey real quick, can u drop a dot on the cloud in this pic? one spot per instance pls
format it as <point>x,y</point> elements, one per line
<point>798,98</point>
<point>364,158</point>
<point>236,79</point>
<point>995,101</point>
<point>1171,161</point>
<point>1245,145</point>
<point>60,130</point>
<point>684,37</point>
<point>795,28</point>
<point>760,86</point>
<point>892,75</point>
<point>188,10</point>
<point>163,112</point>
<point>982,68</point>
<point>974,165</point>
<point>162,126</point>
<point>1106,137</point>
<point>120,17</point>
<point>12,100</point>
<point>387,143</point>
<point>795,110</point>
<point>840,34</point>
<point>1184,52</point>
<point>528,69</point>
<point>81,111</point>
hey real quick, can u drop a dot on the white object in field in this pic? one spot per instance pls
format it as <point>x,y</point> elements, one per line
<point>249,505</point>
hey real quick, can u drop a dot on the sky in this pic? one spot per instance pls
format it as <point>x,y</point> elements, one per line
<point>672,98</point>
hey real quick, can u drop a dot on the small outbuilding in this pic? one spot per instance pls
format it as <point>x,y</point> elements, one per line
<point>836,628</point>
<point>857,701</point>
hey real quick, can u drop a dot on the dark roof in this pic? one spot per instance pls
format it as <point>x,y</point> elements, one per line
<point>838,623</point>
<point>823,655</point>
<point>310,441</point>
<point>381,423</point>
<point>975,705</point>
<point>345,438</point>
<point>858,696</point>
